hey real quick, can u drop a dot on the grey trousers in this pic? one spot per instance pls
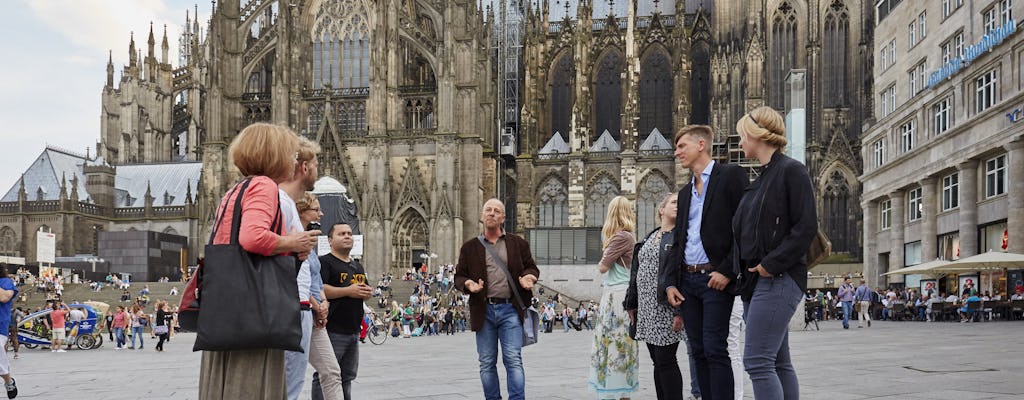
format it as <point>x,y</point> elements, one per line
<point>766,351</point>
<point>346,350</point>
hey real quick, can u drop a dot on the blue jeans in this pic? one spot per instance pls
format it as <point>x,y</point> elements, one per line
<point>295,361</point>
<point>137,333</point>
<point>706,314</point>
<point>847,310</point>
<point>119,334</point>
<point>766,353</point>
<point>501,324</point>
<point>694,385</point>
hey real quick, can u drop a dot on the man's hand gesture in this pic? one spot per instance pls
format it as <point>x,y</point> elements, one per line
<point>475,287</point>
<point>527,281</point>
<point>674,297</point>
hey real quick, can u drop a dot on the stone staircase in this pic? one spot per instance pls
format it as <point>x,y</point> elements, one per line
<point>79,292</point>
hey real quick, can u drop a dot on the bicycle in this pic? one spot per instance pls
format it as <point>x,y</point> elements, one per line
<point>377,331</point>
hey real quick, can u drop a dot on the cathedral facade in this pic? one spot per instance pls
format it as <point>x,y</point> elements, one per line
<point>608,83</point>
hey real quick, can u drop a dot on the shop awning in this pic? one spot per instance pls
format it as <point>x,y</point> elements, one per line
<point>993,260</point>
<point>923,268</point>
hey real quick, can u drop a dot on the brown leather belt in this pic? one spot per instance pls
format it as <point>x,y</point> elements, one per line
<point>701,268</point>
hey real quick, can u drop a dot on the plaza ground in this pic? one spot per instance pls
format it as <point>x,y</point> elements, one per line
<point>902,360</point>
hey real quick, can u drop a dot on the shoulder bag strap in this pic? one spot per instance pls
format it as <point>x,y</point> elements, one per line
<point>503,267</point>
<point>223,210</point>
<point>236,214</point>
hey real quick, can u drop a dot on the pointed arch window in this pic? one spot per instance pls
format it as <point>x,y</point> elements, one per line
<point>700,83</point>
<point>837,28</point>
<point>783,52</point>
<point>552,204</point>
<point>608,95</point>
<point>656,85</point>
<point>598,197</point>
<point>560,97</point>
<point>837,196</point>
<point>651,191</point>
<point>8,242</point>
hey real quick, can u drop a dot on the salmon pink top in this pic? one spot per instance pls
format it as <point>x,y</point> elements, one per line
<point>259,206</point>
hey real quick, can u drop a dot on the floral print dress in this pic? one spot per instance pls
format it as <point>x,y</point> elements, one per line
<point>613,360</point>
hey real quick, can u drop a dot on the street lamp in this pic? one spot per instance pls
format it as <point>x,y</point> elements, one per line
<point>426,258</point>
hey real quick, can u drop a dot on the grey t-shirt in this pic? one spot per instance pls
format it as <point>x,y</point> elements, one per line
<point>497,281</point>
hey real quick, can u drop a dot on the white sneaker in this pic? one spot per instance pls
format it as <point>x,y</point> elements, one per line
<point>62,351</point>
<point>55,350</point>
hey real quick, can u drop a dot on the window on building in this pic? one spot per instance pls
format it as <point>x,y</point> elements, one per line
<point>912,34</point>
<point>552,204</point>
<point>988,18</point>
<point>912,253</point>
<point>946,48</point>
<point>947,8</point>
<point>608,95</point>
<point>958,44</point>
<point>879,152</point>
<point>656,85</point>
<point>908,132</point>
<point>887,101</point>
<point>917,78</point>
<point>837,28</point>
<point>563,71</point>
<point>985,91</point>
<point>885,215</point>
<point>600,194</point>
<point>995,176</point>
<point>922,24</point>
<point>883,58</point>
<point>782,52</point>
<point>1005,12</point>
<point>951,191</point>
<point>892,52</point>
<point>914,205</point>
<point>942,114</point>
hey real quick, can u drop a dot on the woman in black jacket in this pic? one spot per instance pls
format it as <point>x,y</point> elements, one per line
<point>772,230</point>
<point>652,321</point>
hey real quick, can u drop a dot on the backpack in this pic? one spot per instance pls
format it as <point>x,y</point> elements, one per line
<point>394,331</point>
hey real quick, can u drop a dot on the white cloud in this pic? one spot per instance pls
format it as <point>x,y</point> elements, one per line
<point>98,26</point>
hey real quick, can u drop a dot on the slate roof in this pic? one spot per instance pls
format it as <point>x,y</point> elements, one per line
<point>46,172</point>
<point>605,142</point>
<point>656,141</point>
<point>167,181</point>
<point>555,145</point>
<point>130,182</point>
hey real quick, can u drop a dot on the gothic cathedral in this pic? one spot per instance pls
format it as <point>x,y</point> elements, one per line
<point>406,98</point>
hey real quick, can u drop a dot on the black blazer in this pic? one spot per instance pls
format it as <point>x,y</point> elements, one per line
<point>784,220</point>
<point>724,192</point>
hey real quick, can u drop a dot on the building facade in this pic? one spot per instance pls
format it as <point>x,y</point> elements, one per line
<point>944,159</point>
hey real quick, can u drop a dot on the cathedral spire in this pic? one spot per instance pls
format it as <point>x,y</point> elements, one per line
<point>151,42</point>
<point>164,47</point>
<point>110,69</point>
<point>131,50</point>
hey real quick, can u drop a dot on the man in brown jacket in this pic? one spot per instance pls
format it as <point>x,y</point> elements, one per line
<point>494,313</point>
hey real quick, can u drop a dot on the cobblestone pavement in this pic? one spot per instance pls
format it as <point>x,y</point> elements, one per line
<point>903,360</point>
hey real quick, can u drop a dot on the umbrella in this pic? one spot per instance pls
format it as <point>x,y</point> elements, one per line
<point>923,268</point>
<point>993,260</point>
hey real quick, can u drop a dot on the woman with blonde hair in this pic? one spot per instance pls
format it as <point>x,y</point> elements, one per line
<point>772,230</point>
<point>267,154</point>
<point>613,361</point>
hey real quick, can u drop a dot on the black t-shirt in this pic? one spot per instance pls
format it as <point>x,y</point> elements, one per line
<point>346,313</point>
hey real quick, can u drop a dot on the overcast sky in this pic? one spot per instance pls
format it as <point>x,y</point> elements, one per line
<point>54,68</point>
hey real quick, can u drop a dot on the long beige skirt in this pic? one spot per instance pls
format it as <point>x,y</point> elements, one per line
<point>242,374</point>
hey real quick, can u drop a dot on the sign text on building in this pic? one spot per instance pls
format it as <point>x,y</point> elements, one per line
<point>991,39</point>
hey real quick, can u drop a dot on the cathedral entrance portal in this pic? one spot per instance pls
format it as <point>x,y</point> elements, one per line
<point>409,239</point>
